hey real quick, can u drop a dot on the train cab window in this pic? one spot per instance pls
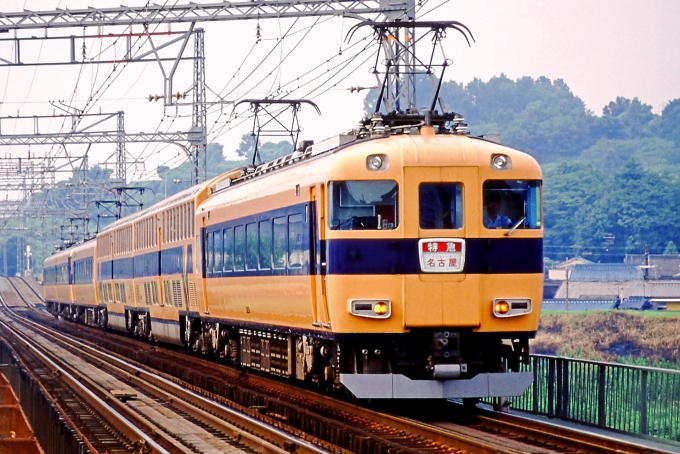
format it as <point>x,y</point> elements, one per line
<point>218,251</point>
<point>280,236</point>
<point>296,251</point>
<point>363,205</point>
<point>251,246</point>
<point>512,204</point>
<point>228,250</point>
<point>440,205</point>
<point>239,242</point>
<point>265,245</point>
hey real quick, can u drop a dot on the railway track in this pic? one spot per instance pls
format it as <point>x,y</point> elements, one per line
<point>338,426</point>
<point>120,408</point>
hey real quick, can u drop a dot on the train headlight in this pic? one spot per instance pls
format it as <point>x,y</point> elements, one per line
<point>377,162</point>
<point>511,307</point>
<point>500,162</point>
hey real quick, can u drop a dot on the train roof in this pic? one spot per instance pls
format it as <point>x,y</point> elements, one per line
<point>187,194</point>
<point>62,255</point>
<point>341,142</point>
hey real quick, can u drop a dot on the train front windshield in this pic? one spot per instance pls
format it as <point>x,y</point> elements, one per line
<point>512,204</point>
<point>363,205</point>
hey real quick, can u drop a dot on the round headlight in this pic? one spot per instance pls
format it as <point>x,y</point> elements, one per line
<point>502,307</point>
<point>499,161</point>
<point>380,308</point>
<point>374,162</point>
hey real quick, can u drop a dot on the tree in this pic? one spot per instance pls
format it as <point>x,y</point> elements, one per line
<point>671,249</point>
<point>246,146</point>
<point>668,125</point>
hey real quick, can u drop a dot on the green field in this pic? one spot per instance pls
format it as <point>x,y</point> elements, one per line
<point>644,338</point>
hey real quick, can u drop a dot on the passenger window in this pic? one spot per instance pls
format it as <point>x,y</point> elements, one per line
<point>211,251</point>
<point>512,203</point>
<point>280,234</point>
<point>228,250</point>
<point>190,259</point>
<point>265,245</point>
<point>440,205</point>
<point>218,251</point>
<point>239,242</point>
<point>296,256</point>
<point>363,205</point>
<point>251,246</point>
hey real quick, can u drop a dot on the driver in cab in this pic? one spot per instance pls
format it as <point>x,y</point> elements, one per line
<point>493,219</point>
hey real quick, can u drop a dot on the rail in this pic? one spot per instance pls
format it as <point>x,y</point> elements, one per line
<point>638,400</point>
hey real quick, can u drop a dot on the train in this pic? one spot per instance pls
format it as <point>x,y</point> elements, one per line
<point>398,260</point>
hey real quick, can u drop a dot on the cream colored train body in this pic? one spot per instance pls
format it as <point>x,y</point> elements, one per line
<point>398,266</point>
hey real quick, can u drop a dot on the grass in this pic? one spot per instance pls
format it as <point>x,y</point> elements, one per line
<point>642,338</point>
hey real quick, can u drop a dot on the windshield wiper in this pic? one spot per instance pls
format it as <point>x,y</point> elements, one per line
<point>514,227</point>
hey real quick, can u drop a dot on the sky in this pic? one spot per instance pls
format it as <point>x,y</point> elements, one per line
<point>601,50</point>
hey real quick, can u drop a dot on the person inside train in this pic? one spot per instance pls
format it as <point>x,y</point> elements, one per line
<point>493,219</point>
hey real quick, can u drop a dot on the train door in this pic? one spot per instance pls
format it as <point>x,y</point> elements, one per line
<point>439,204</point>
<point>318,257</point>
<point>71,280</point>
<point>189,281</point>
<point>200,267</point>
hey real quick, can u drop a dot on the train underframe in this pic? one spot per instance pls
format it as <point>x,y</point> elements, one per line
<point>435,355</point>
<point>419,355</point>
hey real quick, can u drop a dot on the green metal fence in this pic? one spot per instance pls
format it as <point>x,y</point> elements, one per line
<point>638,400</point>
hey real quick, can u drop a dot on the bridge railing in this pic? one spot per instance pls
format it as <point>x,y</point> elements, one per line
<point>633,399</point>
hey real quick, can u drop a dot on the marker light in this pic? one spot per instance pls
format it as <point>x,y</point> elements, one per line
<point>511,307</point>
<point>502,307</point>
<point>377,162</point>
<point>380,308</point>
<point>500,162</point>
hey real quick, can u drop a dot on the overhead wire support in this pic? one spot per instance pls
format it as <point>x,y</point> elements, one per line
<point>198,137</point>
<point>192,12</point>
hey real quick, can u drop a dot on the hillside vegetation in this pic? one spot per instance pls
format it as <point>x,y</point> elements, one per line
<point>641,338</point>
<point>613,175</point>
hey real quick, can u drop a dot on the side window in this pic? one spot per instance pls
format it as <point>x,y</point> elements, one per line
<point>440,205</point>
<point>218,251</point>
<point>239,242</point>
<point>265,245</point>
<point>251,246</point>
<point>190,259</point>
<point>228,250</point>
<point>280,234</point>
<point>295,251</point>
<point>211,252</point>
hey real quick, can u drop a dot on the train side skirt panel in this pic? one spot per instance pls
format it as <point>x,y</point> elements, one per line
<point>397,386</point>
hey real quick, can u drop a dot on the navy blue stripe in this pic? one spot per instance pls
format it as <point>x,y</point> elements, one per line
<point>482,256</point>
<point>172,261</point>
<point>123,268</point>
<point>146,265</point>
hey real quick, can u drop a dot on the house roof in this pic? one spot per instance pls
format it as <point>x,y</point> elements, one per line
<point>662,266</point>
<point>624,289</point>
<point>572,262</point>
<point>605,272</point>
